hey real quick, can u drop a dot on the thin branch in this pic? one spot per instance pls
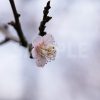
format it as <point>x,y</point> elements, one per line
<point>4,41</point>
<point>8,36</point>
<point>45,19</point>
<point>17,24</point>
<point>30,49</point>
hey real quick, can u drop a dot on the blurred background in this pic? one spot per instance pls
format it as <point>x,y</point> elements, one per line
<point>75,73</point>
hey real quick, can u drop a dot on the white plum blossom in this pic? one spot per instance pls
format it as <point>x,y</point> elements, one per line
<point>43,49</point>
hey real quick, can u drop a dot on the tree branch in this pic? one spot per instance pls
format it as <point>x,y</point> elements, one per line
<point>7,40</point>
<point>8,36</point>
<point>45,19</point>
<point>4,41</point>
<point>17,24</point>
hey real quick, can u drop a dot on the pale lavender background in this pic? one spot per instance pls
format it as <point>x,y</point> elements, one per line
<point>75,74</point>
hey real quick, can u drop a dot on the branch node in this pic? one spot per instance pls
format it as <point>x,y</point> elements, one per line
<point>12,23</point>
<point>18,15</point>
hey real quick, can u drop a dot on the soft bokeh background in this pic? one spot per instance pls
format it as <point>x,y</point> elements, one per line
<point>75,74</point>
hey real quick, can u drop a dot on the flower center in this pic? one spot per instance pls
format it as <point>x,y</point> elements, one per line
<point>48,51</point>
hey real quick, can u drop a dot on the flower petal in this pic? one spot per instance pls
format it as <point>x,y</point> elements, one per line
<point>41,61</point>
<point>36,41</point>
<point>48,39</point>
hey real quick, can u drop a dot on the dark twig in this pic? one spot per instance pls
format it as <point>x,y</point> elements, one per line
<point>30,49</point>
<point>4,41</point>
<point>4,29</point>
<point>45,19</point>
<point>17,25</point>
